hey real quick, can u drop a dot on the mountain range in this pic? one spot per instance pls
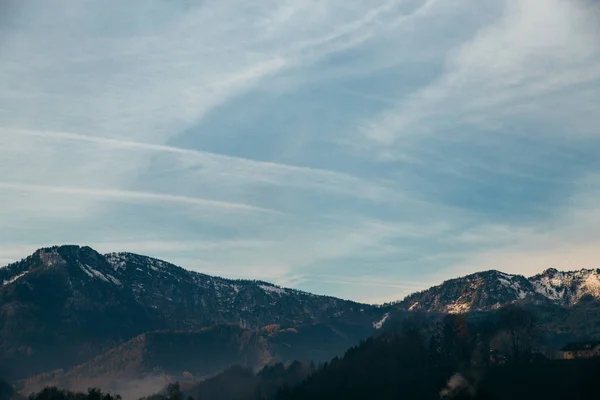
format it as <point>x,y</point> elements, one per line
<point>72,316</point>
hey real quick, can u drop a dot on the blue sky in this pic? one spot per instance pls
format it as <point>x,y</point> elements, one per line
<point>363,149</point>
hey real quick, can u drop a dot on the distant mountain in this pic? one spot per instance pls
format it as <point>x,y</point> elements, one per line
<point>489,290</point>
<point>62,306</point>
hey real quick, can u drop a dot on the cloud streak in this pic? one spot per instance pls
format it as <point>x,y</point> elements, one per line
<point>127,195</point>
<point>233,167</point>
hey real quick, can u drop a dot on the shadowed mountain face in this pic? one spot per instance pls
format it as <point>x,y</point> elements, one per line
<point>6,391</point>
<point>64,305</point>
<point>239,383</point>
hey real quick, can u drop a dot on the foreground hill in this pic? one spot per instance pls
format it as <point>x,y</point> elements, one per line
<point>151,360</point>
<point>64,305</point>
<point>392,375</point>
<point>239,383</point>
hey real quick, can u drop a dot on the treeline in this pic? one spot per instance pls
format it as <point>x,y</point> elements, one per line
<point>421,357</point>
<point>235,383</point>
<point>53,393</point>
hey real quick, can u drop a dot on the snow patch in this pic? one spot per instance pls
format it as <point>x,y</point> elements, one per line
<point>116,260</point>
<point>550,288</point>
<point>97,274</point>
<point>14,278</point>
<point>568,287</point>
<point>273,289</point>
<point>114,280</point>
<point>458,308</point>
<point>92,273</point>
<point>505,276</point>
<point>379,324</point>
<point>87,272</point>
<point>592,285</point>
<point>156,265</point>
<point>506,281</point>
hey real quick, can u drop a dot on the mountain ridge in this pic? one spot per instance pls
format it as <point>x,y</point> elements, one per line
<point>559,287</point>
<point>63,305</point>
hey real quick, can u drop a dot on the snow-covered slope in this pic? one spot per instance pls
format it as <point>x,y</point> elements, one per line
<point>567,288</point>
<point>489,290</point>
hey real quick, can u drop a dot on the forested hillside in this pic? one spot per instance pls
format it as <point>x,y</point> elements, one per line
<point>497,357</point>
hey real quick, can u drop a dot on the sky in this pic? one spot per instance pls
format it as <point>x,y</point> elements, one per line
<point>363,149</point>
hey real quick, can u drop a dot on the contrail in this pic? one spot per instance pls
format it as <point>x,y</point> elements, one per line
<point>133,195</point>
<point>135,145</point>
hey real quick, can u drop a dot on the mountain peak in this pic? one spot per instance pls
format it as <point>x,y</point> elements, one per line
<point>550,271</point>
<point>67,248</point>
<point>64,252</point>
<point>491,289</point>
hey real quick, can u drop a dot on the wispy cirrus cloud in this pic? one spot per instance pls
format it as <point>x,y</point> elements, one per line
<point>221,165</point>
<point>536,49</point>
<point>361,149</point>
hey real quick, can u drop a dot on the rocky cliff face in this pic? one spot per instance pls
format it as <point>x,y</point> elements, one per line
<point>489,290</point>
